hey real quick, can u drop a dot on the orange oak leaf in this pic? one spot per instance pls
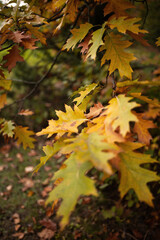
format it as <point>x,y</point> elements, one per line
<point>141,128</point>
<point>12,58</point>
<point>152,112</point>
<point>3,100</point>
<point>118,7</point>
<point>95,111</point>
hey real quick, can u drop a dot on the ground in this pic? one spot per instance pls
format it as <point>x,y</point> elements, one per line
<point>23,214</point>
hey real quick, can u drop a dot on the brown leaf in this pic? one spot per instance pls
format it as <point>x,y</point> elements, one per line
<point>2,167</point>
<point>9,188</point>
<point>85,44</point>
<point>32,153</point>
<point>29,43</point>
<point>48,224</point>
<point>12,58</point>
<point>41,202</point>
<point>141,128</point>
<point>29,169</point>
<point>17,227</point>
<point>20,235</point>
<point>28,183</point>
<point>118,7</point>
<point>16,36</point>
<point>20,157</point>
<point>46,234</point>
<point>25,112</point>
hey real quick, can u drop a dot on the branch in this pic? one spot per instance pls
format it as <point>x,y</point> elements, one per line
<point>135,83</point>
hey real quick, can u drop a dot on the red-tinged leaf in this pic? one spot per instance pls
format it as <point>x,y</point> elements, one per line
<point>139,38</point>
<point>29,43</point>
<point>12,58</point>
<point>16,36</point>
<point>85,45</point>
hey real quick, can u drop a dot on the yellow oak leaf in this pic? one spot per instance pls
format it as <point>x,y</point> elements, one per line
<point>158,41</point>
<point>96,42</point>
<point>49,152</point>
<point>77,36</point>
<point>123,24</point>
<point>84,93</point>
<point>133,176</point>
<point>114,50</point>
<point>141,128</point>
<point>119,113</point>
<point>74,184</point>
<point>68,122</point>
<point>7,128</point>
<point>23,135</point>
<point>5,84</point>
<point>93,148</point>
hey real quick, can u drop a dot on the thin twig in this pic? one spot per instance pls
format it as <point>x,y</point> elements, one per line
<point>6,47</point>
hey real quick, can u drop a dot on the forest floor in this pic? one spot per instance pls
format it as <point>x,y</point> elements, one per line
<point>23,214</point>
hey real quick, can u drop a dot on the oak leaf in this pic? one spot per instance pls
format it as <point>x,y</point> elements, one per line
<point>35,31</point>
<point>133,176</point>
<point>158,41</point>
<point>96,42</point>
<point>5,84</point>
<point>77,36</point>
<point>23,135</point>
<point>95,110</point>
<point>49,151</point>
<point>68,122</point>
<point>84,93</point>
<point>16,36</point>
<point>74,184</point>
<point>8,128</point>
<point>141,128</point>
<point>3,100</point>
<point>92,147</point>
<point>29,43</point>
<point>118,7</point>
<point>119,113</point>
<point>123,24</point>
<point>115,51</point>
<point>12,58</point>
